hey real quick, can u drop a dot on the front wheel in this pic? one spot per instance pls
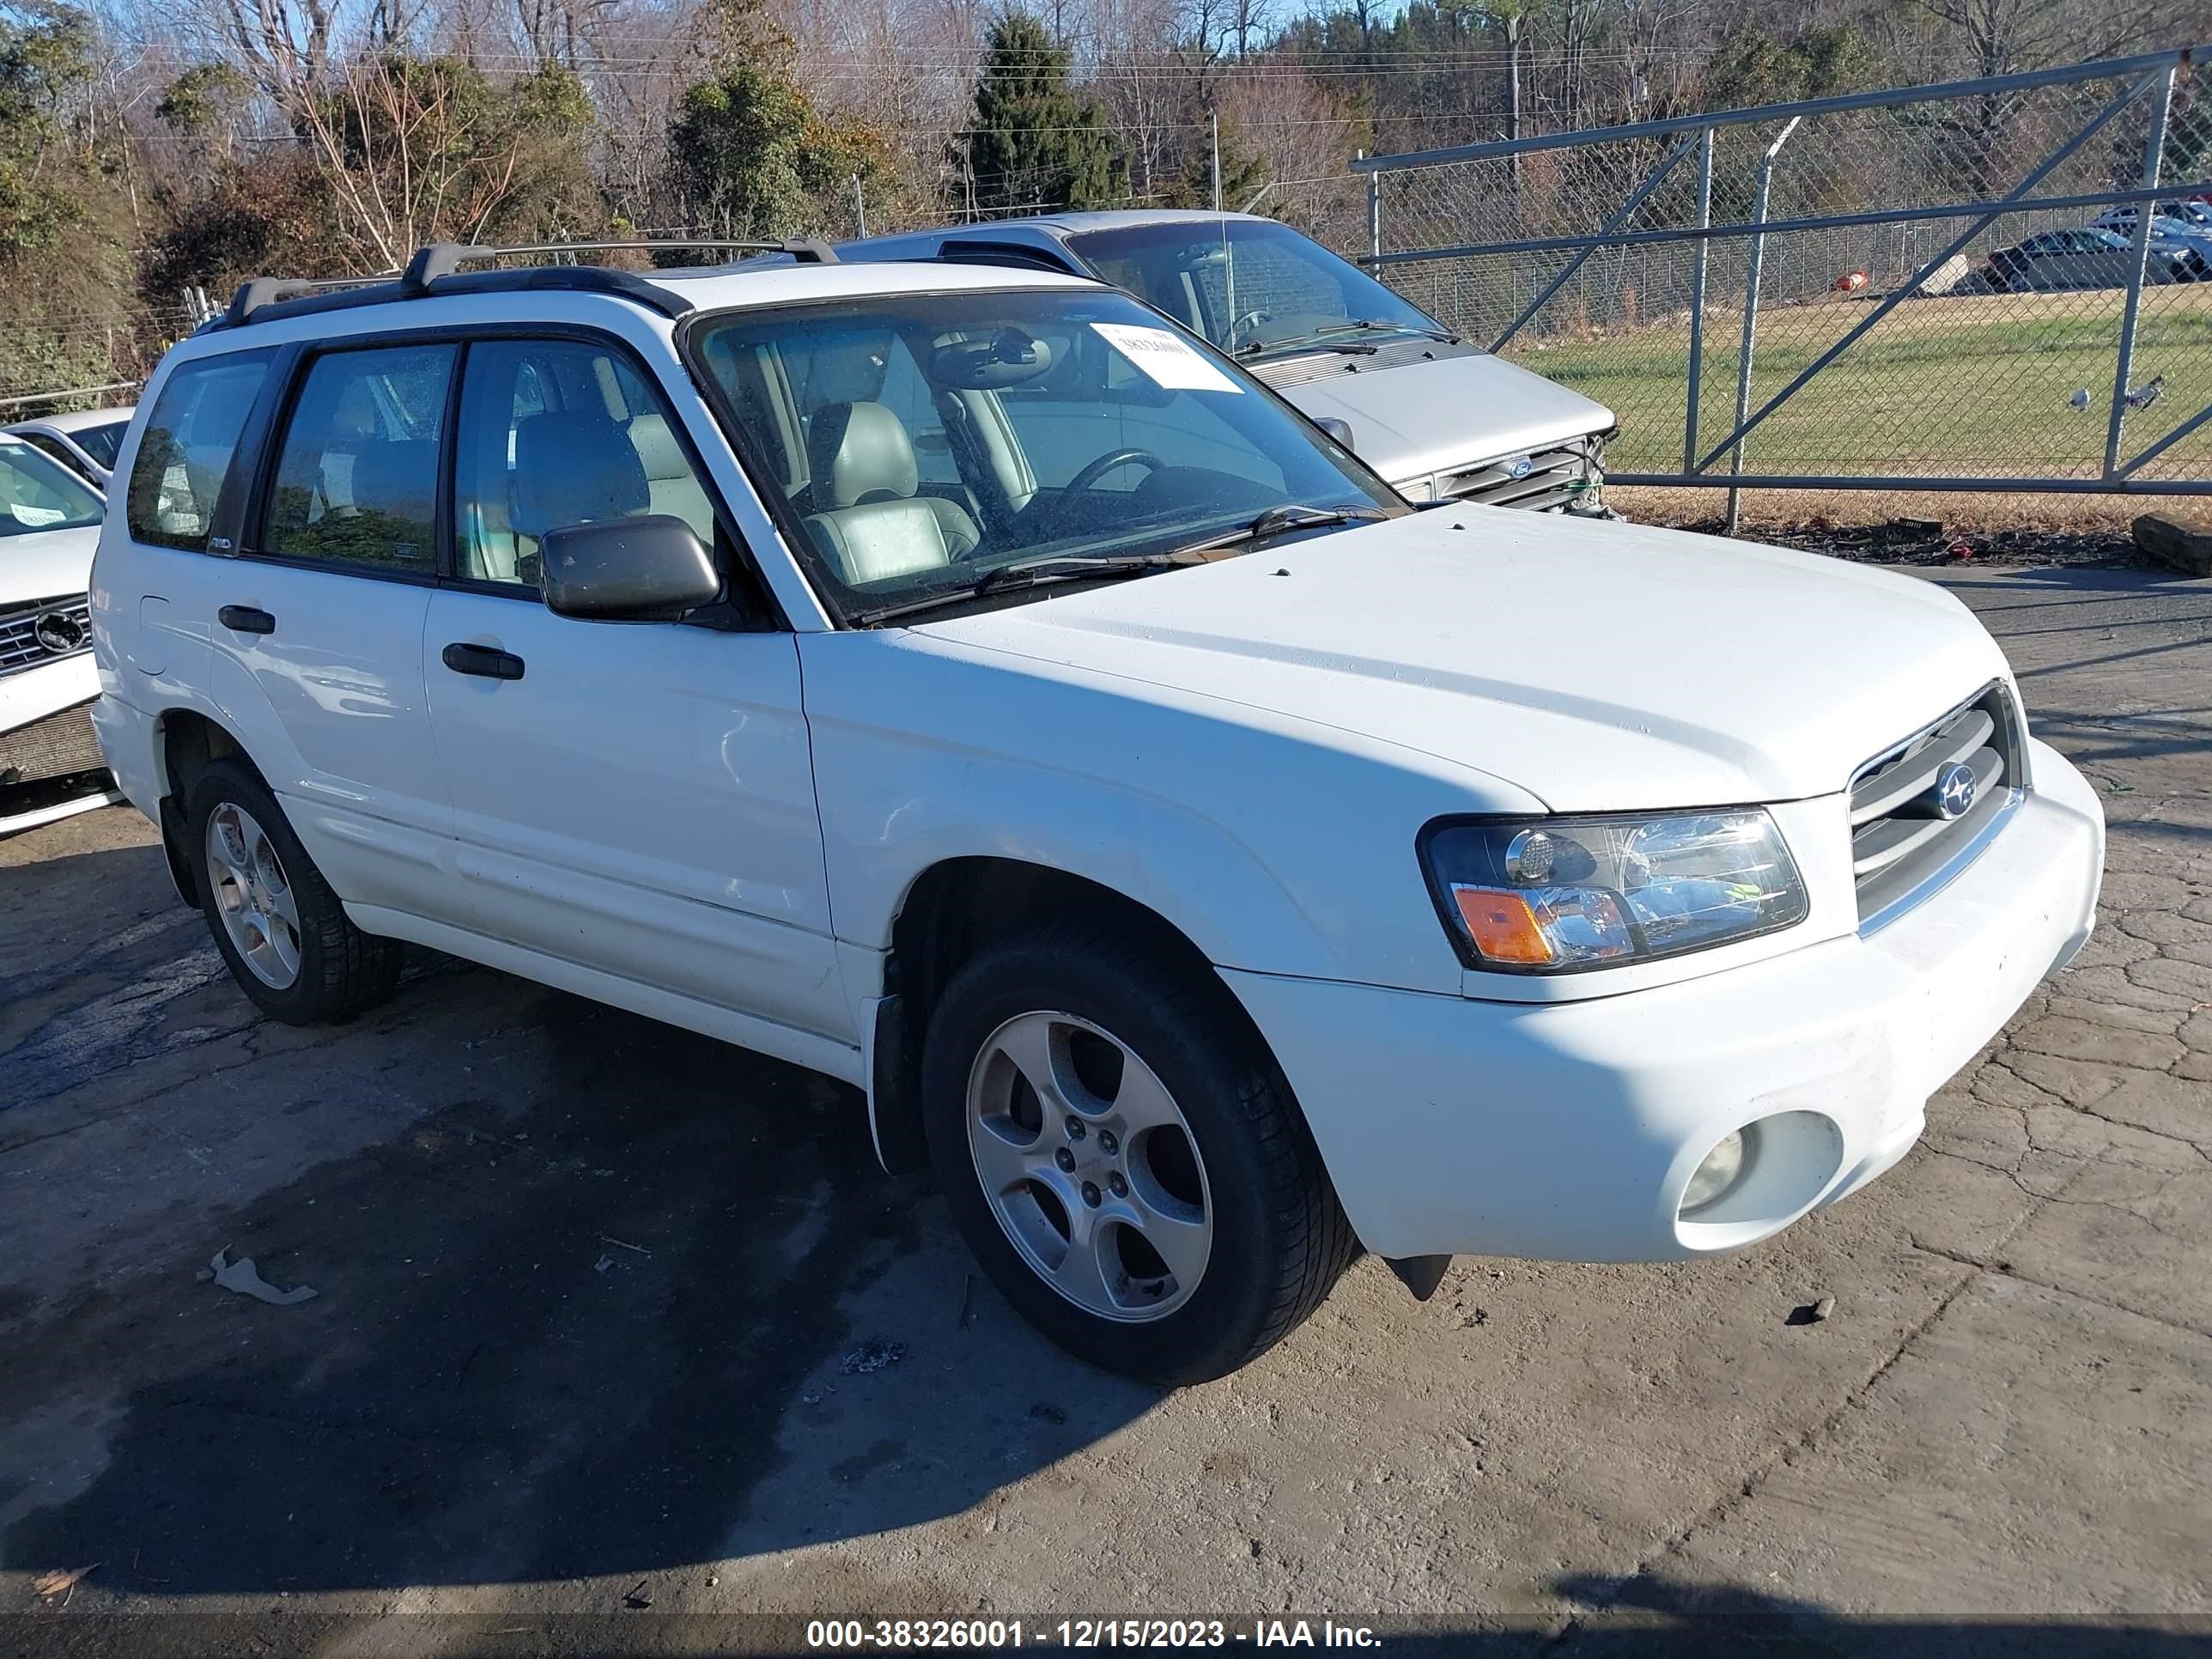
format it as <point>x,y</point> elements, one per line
<point>1123,1157</point>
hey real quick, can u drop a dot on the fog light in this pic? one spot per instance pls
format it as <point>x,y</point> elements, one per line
<point>1725,1166</point>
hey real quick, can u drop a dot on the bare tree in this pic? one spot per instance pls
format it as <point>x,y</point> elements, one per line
<point>285,45</point>
<point>402,158</point>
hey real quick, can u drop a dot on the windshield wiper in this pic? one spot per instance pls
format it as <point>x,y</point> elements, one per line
<point>1360,326</point>
<point>1443,334</point>
<point>1037,572</point>
<point>1292,515</point>
<point>1252,348</point>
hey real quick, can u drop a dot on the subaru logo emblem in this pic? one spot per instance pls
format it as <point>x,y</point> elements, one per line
<point>1520,467</point>
<point>1954,791</point>
<point>59,632</point>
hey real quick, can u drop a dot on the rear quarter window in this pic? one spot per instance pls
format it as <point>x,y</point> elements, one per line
<point>183,455</point>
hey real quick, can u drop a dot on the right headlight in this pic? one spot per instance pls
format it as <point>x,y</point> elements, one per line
<point>1564,895</point>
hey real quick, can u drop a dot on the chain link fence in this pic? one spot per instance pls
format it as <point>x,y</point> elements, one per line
<point>1946,287</point>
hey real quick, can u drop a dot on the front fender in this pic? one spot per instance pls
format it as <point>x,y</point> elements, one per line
<point>1265,839</point>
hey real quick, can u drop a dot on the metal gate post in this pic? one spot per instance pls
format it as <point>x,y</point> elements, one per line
<point>1375,213</point>
<point>1756,259</point>
<point>2161,104</point>
<point>1698,299</point>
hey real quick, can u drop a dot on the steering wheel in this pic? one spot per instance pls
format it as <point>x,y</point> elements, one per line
<point>1250,320</point>
<point>1088,479</point>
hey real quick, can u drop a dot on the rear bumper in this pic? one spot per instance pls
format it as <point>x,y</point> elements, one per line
<point>1569,1130</point>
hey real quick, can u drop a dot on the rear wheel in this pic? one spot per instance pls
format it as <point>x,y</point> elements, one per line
<point>1123,1157</point>
<point>275,920</point>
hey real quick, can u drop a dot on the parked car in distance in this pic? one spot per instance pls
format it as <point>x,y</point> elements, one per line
<point>2190,211</point>
<point>959,681</point>
<point>85,442</point>
<point>2186,245</point>
<point>50,762</point>
<point>2058,260</point>
<point>1437,416</point>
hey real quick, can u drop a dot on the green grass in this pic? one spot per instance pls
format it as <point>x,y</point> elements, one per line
<point>1968,386</point>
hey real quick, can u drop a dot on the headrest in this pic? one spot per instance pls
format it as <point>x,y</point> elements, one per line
<point>662,456</point>
<point>573,465</point>
<point>858,453</point>
<point>400,480</point>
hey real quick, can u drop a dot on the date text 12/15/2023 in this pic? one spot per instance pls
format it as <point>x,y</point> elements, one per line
<point>986,1634</point>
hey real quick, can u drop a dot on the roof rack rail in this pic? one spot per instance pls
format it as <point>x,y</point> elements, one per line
<point>258,291</point>
<point>444,258</point>
<point>431,267</point>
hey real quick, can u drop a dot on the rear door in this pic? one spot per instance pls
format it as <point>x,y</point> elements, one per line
<point>636,797</point>
<point>316,623</point>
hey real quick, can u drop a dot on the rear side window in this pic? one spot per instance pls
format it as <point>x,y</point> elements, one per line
<point>186,452</point>
<point>356,479</point>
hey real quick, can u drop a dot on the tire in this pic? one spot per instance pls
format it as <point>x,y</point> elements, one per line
<point>334,971</point>
<point>1064,993</point>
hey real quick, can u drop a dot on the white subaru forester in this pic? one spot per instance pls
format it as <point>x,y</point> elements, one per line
<point>965,684</point>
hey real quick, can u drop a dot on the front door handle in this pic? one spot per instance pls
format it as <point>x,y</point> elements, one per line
<point>245,619</point>
<point>484,662</point>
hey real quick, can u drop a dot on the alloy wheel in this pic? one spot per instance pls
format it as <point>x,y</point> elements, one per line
<point>1089,1167</point>
<point>254,895</point>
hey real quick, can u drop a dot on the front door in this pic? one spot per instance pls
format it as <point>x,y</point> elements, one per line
<point>637,798</point>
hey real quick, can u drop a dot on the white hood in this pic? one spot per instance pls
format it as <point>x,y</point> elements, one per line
<point>1464,409</point>
<point>1596,666</point>
<point>47,564</point>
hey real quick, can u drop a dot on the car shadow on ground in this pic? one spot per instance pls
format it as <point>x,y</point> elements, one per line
<point>643,1301</point>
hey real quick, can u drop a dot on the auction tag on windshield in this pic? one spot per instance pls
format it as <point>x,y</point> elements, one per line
<point>37,517</point>
<point>1165,359</point>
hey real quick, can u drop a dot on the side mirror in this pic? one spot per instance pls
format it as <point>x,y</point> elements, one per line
<point>649,568</point>
<point>1340,430</point>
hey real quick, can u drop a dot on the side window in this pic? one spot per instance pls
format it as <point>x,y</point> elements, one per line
<point>356,479</point>
<point>555,433</point>
<point>185,450</point>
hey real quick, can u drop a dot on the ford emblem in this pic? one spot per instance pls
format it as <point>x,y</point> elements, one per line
<point>1954,790</point>
<point>1520,467</point>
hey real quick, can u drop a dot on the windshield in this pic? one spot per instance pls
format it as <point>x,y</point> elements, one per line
<point>38,493</point>
<point>101,442</point>
<point>923,442</point>
<point>1249,285</point>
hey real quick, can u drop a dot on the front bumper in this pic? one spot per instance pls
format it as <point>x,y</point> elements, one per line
<point>1567,1131</point>
<point>46,735</point>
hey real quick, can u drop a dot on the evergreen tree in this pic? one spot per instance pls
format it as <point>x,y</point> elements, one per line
<point>751,155</point>
<point>1034,143</point>
<point>1244,170</point>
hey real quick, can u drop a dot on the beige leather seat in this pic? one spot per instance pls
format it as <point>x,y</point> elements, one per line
<point>670,485</point>
<point>868,520</point>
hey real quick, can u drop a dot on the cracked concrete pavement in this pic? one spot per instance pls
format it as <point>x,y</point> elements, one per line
<point>593,1295</point>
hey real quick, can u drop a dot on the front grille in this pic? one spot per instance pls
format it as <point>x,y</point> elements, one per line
<point>1554,478</point>
<point>21,647</point>
<point>54,747</point>
<point>1903,845</point>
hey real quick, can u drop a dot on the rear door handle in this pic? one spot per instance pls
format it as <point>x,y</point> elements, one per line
<point>245,619</point>
<point>483,661</point>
